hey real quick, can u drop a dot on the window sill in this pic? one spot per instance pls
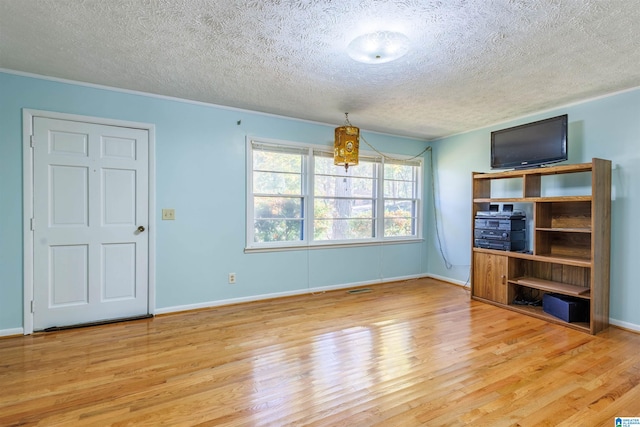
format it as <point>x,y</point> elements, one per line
<point>316,245</point>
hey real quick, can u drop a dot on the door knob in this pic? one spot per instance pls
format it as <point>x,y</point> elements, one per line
<point>141,229</point>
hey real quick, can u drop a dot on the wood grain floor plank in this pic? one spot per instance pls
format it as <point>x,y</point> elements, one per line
<point>410,353</point>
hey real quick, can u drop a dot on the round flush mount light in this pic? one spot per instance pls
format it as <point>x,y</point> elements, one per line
<point>378,47</point>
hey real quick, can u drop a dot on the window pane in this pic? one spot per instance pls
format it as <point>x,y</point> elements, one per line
<point>277,230</point>
<point>327,185</point>
<point>399,172</point>
<point>399,208</point>
<point>397,227</point>
<point>343,208</point>
<point>277,207</point>
<point>344,203</point>
<point>343,229</point>
<point>324,165</point>
<point>277,183</point>
<point>400,184</point>
<point>277,161</point>
<point>399,189</point>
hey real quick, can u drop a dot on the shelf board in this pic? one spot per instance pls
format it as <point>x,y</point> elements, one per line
<point>540,314</point>
<point>577,262</point>
<point>550,199</point>
<point>554,170</point>
<point>550,286</point>
<point>566,229</point>
<point>567,260</point>
<point>540,199</point>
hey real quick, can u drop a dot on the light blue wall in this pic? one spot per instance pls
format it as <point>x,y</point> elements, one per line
<point>608,128</point>
<point>200,172</point>
<point>200,162</point>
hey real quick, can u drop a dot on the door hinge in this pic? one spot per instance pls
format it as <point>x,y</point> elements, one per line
<point>32,310</point>
<point>33,224</point>
<point>31,141</point>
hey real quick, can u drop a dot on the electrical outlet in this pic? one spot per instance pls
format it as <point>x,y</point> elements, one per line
<point>232,278</point>
<point>168,214</point>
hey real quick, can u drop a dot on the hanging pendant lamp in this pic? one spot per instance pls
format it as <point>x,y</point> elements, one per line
<point>346,144</point>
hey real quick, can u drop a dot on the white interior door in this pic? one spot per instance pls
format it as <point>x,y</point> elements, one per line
<point>90,205</point>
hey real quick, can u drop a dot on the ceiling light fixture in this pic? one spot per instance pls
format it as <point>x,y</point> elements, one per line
<point>346,144</point>
<point>378,47</point>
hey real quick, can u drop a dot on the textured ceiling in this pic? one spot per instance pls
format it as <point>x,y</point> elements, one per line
<point>471,63</point>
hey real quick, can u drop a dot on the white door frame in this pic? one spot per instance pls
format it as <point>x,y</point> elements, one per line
<point>27,202</point>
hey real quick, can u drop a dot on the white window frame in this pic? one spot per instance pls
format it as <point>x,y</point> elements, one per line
<point>377,200</point>
<point>305,190</point>
<point>417,197</point>
<point>308,172</point>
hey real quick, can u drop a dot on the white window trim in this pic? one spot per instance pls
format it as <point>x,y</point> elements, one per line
<point>419,200</point>
<point>308,191</point>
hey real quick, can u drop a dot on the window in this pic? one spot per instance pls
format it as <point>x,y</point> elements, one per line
<point>278,193</point>
<point>344,203</point>
<point>401,198</point>
<point>298,197</point>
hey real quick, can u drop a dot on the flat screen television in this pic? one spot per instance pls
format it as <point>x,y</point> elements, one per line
<point>530,145</point>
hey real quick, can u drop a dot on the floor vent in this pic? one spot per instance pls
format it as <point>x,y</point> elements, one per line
<point>359,291</point>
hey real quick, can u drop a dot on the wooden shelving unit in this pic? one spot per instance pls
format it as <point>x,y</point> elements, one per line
<point>570,243</point>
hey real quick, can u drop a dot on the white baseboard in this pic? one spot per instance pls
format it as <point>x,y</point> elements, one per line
<point>210,304</point>
<point>449,280</point>
<point>11,332</point>
<point>218,303</point>
<point>625,325</point>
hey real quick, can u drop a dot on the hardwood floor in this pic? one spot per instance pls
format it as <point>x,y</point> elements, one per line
<point>406,354</point>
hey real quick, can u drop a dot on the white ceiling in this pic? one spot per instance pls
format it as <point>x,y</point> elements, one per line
<point>471,63</point>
